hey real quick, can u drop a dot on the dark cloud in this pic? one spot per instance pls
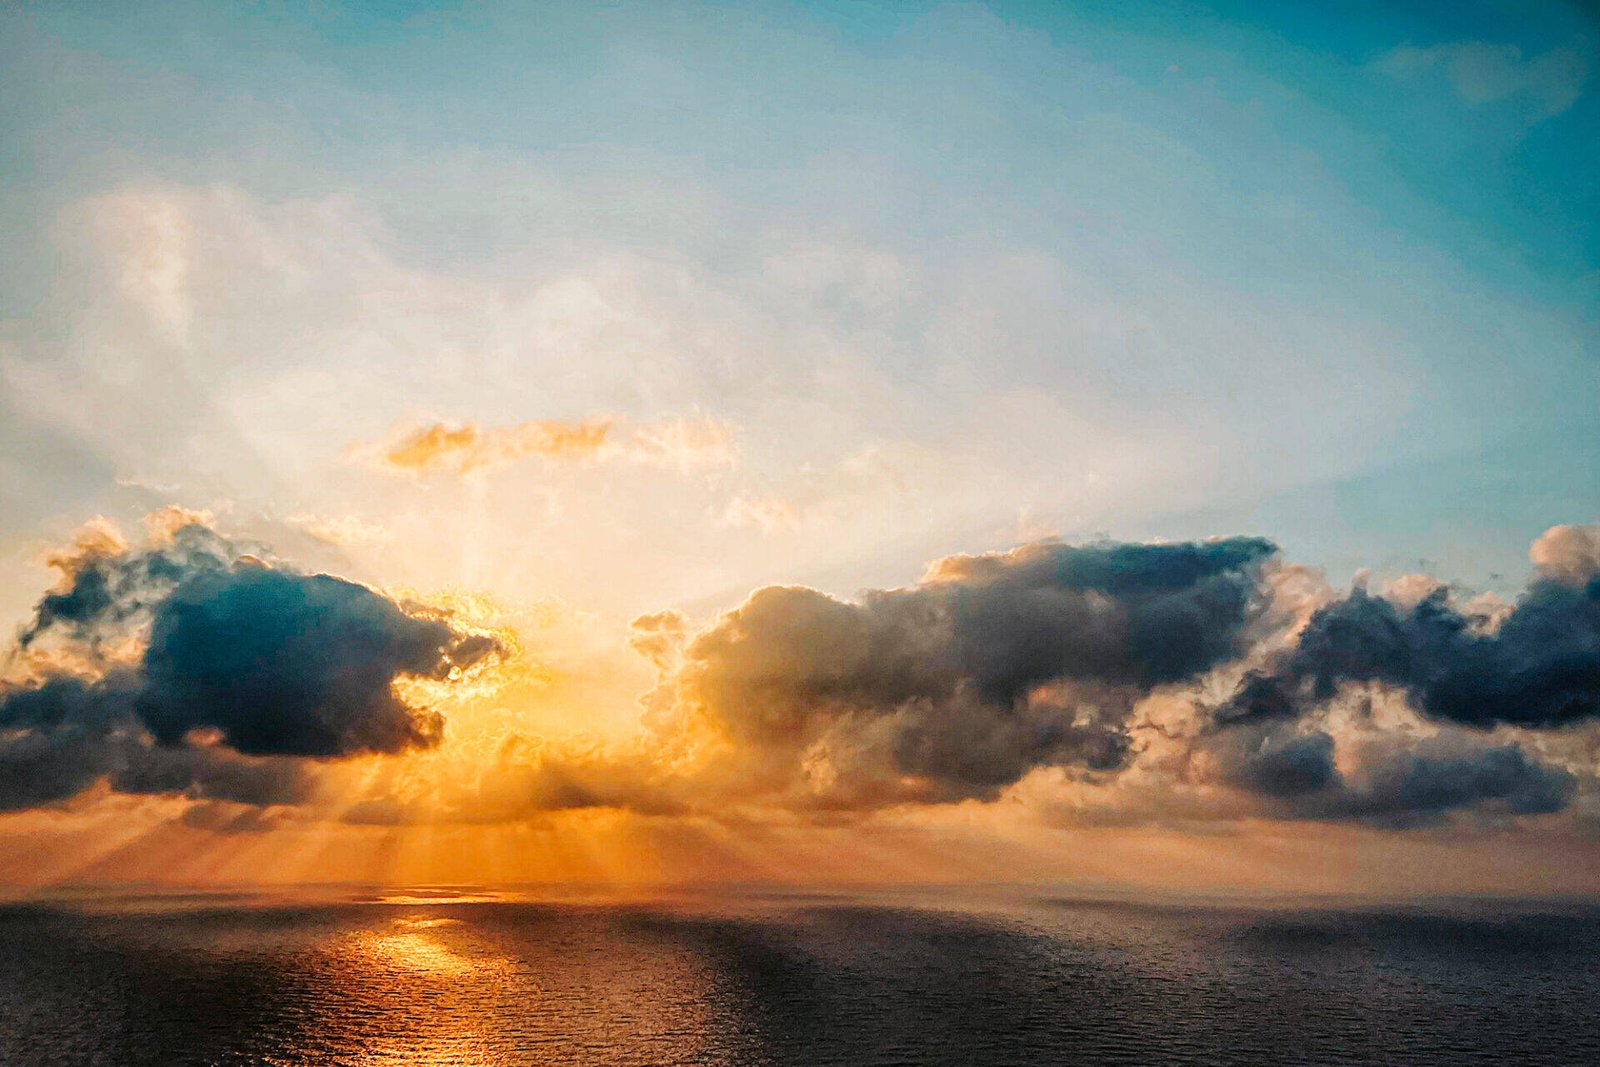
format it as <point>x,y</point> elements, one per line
<point>59,737</point>
<point>1539,668</point>
<point>970,749</point>
<point>1434,778</point>
<point>1395,781</point>
<point>996,665</point>
<point>1534,666</point>
<point>991,666</point>
<point>107,585</point>
<point>1126,614</point>
<point>245,667</point>
<point>291,664</point>
<point>214,772</point>
<point>1280,763</point>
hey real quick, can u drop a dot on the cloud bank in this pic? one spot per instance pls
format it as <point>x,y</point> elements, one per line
<point>1122,683</point>
<point>1172,681</point>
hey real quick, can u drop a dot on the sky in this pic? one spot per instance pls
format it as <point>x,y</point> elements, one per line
<point>1119,443</point>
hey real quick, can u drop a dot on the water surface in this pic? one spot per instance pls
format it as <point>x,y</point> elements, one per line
<point>805,979</point>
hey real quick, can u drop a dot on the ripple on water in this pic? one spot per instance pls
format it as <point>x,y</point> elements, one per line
<point>439,978</point>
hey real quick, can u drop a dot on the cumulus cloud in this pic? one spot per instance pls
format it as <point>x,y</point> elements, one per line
<point>1569,554</point>
<point>958,686</point>
<point>682,444</point>
<point>191,666</point>
<point>1477,681</point>
<point>106,585</point>
<point>292,664</point>
<point>1536,665</point>
<point>60,736</point>
<point>1099,663</point>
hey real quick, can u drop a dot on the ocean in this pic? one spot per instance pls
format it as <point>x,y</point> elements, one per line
<point>464,978</point>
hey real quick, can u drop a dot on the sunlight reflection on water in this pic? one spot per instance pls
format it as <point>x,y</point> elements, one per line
<point>802,979</point>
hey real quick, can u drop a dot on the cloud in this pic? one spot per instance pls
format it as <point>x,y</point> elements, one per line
<point>1437,776</point>
<point>291,664</point>
<point>682,444</point>
<point>958,686</point>
<point>1277,763</point>
<point>1569,554</point>
<point>1536,665</point>
<point>1482,72</point>
<point>1466,675</point>
<point>1392,779</point>
<point>1098,663</point>
<point>57,738</point>
<point>191,666</point>
<point>62,735</point>
<point>212,771</point>
<point>1117,683</point>
<point>340,531</point>
<point>1118,613</point>
<point>469,447</point>
<point>105,584</point>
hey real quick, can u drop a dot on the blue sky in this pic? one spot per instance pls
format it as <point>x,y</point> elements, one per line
<point>1329,274</point>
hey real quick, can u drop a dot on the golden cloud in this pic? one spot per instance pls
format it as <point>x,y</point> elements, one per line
<point>684,444</point>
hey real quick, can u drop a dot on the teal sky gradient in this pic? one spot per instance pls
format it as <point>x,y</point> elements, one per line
<point>1325,273</point>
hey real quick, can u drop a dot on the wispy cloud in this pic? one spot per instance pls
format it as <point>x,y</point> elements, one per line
<point>1482,72</point>
<point>681,444</point>
<point>340,530</point>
